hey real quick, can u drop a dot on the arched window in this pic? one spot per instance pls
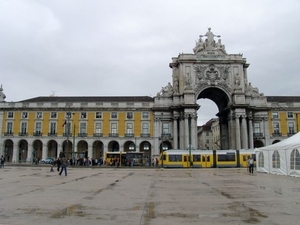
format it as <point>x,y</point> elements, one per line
<point>261,160</point>
<point>295,160</point>
<point>276,159</point>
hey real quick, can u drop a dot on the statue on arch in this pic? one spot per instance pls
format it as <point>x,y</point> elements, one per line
<point>210,38</point>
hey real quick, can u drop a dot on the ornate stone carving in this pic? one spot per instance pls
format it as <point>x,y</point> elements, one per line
<point>188,81</point>
<point>253,92</point>
<point>212,75</point>
<point>166,91</point>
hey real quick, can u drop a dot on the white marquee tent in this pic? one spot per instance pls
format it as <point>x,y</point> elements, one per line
<point>282,158</point>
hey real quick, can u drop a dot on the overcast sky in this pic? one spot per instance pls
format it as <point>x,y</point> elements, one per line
<point>123,48</point>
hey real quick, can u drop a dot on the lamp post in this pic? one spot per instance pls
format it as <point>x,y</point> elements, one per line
<point>68,115</point>
<point>73,146</point>
<point>190,140</point>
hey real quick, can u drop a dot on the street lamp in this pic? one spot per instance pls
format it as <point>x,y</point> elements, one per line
<point>68,115</point>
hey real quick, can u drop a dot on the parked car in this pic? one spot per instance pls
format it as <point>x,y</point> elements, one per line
<point>47,160</point>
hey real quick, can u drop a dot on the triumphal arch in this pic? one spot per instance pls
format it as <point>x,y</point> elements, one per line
<point>209,72</point>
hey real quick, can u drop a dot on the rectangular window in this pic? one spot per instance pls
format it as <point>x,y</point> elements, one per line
<point>256,128</point>
<point>24,128</point>
<point>175,158</point>
<point>38,127</point>
<point>24,115</point>
<point>129,128</point>
<point>276,128</point>
<point>9,128</point>
<point>83,115</point>
<point>291,128</point>
<point>98,115</point>
<point>145,115</point>
<point>98,128</point>
<point>67,127</point>
<point>114,115</point>
<point>129,115</point>
<point>196,158</point>
<point>275,115</point>
<point>82,128</point>
<point>145,128</point>
<point>207,133</point>
<point>207,141</point>
<point>113,128</point>
<point>290,115</point>
<point>53,115</point>
<point>165,128</point>
<point>10,115</point>
<point>39,115</point>
<point>68,115</point>
<point>53,128</point>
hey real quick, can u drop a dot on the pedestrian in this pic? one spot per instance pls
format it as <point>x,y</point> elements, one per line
<point>58,163</point>
<point>250,164</point>
<point>2,161</point>
<point>64,165</point>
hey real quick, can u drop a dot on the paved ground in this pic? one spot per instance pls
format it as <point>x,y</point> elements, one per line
<point>34,195</point>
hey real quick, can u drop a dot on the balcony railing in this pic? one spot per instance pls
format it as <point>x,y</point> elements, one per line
<point>82,134</point>
<point>166,136</point>
<point>258,135</point>
<point>52,134</point>
<point>277,134</point>
<point>145,135</point>
<point>98,135</point>
<point>38,133</point>
<point>291,134</point>
<point>67,134</point>
<point>129,135</point>
<point>23,133</point>
<point>8,133</point>
<point>114,135</point>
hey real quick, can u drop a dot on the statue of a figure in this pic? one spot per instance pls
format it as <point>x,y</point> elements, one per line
<point>210,38</point>
<point>220,46</point>
<point>176,86</point>
<point>199,45</point>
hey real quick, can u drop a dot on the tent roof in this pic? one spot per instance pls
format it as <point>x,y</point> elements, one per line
<point>289,143</point>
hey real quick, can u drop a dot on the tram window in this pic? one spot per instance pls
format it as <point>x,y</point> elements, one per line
<point>244,158</point>
<point>208,158</point>
<point>196,158</point>
<point>185,158</point>
<point>228,157</point>
<point>175,158</point>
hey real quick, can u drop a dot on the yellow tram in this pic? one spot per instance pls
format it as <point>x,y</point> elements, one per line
<point>205,158</point>
<point>123,158</point>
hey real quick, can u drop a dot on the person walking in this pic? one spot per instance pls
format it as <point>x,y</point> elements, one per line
<point>64,165</point>
<point>2,161</point>
<point>251,165</point>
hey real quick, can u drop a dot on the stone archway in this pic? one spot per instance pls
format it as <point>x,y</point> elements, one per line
<point>37,150</point>
<point>23,151</point>
<point>214,74</point>
<point>98,150</point>
<point>8,150</point>
<point>113,146</point>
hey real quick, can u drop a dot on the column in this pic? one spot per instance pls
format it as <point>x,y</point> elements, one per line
<point>90,151</point>
<point>244,133</point>
<point>250,124</point>
<point>45,151</point>
<point>186,131</point>
<point>15,157</point>
<point>175,133</point>
<point>29,157</point>
<point>194,130</point>
<point>237,133</point>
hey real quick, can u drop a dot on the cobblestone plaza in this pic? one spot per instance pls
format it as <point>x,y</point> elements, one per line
<point>34,195</point>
